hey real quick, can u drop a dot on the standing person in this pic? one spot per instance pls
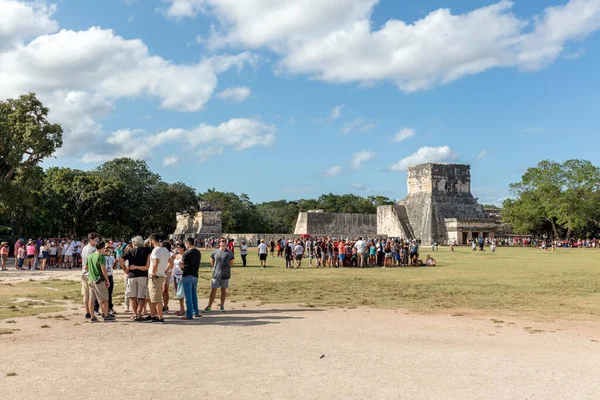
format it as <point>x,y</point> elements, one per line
<point>414,250</point>
<point>44,255</point>
<point>87,251</point>
<point>288,255</point>
<point>68,252</point>
<point>262,253</point>
<point>159,262</point>
<point>299,253</point>
<point>244,252</point>
<point>137,272</point>
<point>53,251</point>
<point>18,246</point>
<point>272,248</point>
<point>342,253</point>
<point>310,249</point>
<point>221,260</point>
<point>177,276</point>
<point>30,254</point>
<point>98,282</point>
<point>168,277</point>
<point>110,262</point>
<point>21,256</point>
<point>4,249</point>
<point>189,277</point>
<point>360,246</point>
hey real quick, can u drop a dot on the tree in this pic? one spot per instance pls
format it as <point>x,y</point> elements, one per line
<point>26,139</point>
<point>565,196</point>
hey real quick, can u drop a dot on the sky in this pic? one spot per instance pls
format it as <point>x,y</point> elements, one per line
<point>289,99</point>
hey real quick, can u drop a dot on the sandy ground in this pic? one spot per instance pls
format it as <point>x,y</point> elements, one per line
<point>290,352</point>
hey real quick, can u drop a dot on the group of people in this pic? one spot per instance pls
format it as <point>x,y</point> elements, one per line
<point>338,253</point>
<point>41,254</point>
<point>151,267</point>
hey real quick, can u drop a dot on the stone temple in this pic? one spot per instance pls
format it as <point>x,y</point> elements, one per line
<point>439,208</point>
<point>206,222</point>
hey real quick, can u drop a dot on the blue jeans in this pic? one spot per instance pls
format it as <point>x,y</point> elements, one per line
<point>190,287</point>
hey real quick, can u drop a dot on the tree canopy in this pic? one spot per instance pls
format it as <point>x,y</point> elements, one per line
<point>555,199</point>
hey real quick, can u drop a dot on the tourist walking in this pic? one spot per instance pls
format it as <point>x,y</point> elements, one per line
<point>189,278</point>
<point>221,260</point>
<point>4,249</point>
<point>299,253</point>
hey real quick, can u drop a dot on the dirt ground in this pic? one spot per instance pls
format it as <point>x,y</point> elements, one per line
<point>287,351</point>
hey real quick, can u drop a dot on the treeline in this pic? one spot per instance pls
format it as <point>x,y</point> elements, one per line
<point>556,200</point>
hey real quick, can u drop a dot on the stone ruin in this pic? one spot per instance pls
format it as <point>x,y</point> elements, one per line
<point>204,223</point>
<point>439,208</point>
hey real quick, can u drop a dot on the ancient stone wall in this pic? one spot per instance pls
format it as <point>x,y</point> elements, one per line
<point>393,221</point>
<point>336,225</point>
<point>204,223</point>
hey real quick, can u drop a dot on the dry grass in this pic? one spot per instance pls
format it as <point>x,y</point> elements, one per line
<point>528,282</point>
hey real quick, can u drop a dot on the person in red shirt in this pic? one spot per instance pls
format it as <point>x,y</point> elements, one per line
<point>342,252</point>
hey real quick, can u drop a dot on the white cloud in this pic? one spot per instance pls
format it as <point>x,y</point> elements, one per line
<point>209,140</point>
<point>333,171</point>
<point>426,155</point>
<point>403,134</point>
<point>235,94</point>
<point>209,152</point>
<point>335,113</point>
<point>20,21</point>
<point>481,154</point>
<point>358,125</point>
<point>170,161</point>
<point>358,187</point>
<point>337,41</point>
<point>359,158</point>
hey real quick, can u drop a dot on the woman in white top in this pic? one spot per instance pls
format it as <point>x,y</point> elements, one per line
<point>177,275</point>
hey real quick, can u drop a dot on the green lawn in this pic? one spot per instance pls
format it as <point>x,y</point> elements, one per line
<point>527,282</point>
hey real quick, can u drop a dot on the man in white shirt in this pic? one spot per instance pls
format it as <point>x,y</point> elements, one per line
<point>360,246</point>
<point>299,252</point>
<point>262,253</point>
<point>159,261</point>
<point>68,254</point>
<point>89,249</point>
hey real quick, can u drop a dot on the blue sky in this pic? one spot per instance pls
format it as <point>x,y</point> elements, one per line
<point>291,99</point>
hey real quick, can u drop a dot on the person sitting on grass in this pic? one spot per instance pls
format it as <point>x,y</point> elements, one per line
<point>430,261</point>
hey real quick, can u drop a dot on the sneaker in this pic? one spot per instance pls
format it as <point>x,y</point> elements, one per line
<point>94,319</point>
<point>222,309</point>
<point>206,310</point>
<point>158,320</point>
<point>97,313</point>
<point>88,316</point>
<point>147,318</point>
<point>110,318</point>
<point>111,311</point>
<point>198,316</point>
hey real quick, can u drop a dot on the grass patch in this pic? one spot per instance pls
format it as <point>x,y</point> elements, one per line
<point>7,331</point>
<point>514,281</point>
<point>11,374</point>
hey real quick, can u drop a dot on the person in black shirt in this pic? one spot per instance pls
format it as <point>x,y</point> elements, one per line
<point>190,263</point>
<point>137,274</point>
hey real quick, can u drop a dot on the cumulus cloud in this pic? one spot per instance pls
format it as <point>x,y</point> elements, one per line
<point>403,134</point>
<point>235,94</point>
<point>337,41</point>
<point>440,154</point>
<point>79,75</point>
<point>333,171</point>
<point>358,125</point>
<point>170,161</point>
<point>208,140</point>
<point>20,21</point>
<point>359,158</point>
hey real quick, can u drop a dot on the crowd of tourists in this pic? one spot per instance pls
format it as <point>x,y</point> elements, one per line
<point>333,252</point>
<point>151,268</point>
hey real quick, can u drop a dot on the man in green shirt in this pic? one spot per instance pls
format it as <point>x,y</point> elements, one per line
<point>98,282</point>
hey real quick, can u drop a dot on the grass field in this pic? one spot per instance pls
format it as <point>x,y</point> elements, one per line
<point>528,282</point>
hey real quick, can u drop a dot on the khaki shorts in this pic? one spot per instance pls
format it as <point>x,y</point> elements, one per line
<point>98,291</point>
<point>138,287</point>
<point>85,286</point>
<point>155,289</point>
<point>4,257</point>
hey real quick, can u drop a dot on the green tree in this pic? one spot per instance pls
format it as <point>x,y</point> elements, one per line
<point>565,196</point>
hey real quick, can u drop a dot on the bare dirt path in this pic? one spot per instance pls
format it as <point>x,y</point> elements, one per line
<point>291,352</point>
